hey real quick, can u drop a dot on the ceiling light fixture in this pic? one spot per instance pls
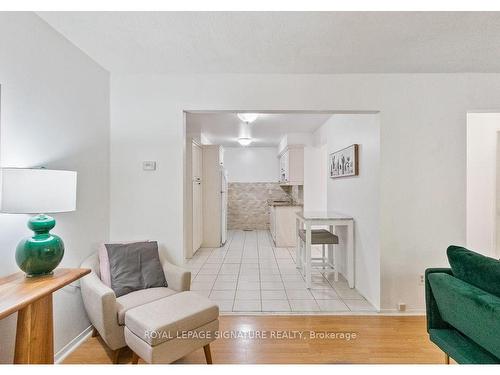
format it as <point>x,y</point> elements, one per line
<point>248,117</point>
<point>244,141</point>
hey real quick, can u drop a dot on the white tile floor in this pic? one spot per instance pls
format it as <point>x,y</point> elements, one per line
<point>248,274</point>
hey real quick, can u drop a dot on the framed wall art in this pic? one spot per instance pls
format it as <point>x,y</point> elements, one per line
<point>344,163</point>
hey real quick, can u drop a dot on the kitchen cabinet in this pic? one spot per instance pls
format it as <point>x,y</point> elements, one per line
<point>292,165</point>
<point>282,224</point>
<point>284,167</point>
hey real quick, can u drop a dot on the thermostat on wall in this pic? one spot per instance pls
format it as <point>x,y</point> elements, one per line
<point>149,166</point>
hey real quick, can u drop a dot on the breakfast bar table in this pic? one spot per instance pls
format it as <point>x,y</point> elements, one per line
<point>334,220</point>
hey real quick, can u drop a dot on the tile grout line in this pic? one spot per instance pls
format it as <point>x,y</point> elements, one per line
<point>331,286</point>
<point>258,264</point>
<point>335,290</point>
<point>205,262</point>
<point>212,288</point>
<point>309,290</point>
<point>218,272</point>
<point>239,270</point>
<point>199,269</point>
<point>281,276</point>
<point>224,258</point>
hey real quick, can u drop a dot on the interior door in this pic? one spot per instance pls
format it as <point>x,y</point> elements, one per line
<point>196,161</point>
<point>197,215</point>
<point>223,206</point>
<point>197,224</point>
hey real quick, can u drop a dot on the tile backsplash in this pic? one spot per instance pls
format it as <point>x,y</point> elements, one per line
<point>248,203</point>
<point>295,192</point>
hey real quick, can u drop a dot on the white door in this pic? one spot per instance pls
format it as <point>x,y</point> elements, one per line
<point>221,155</point>
<point>197,224</point>
<point>196,161</point>
<point>197,215</point>
<point>223,206</point>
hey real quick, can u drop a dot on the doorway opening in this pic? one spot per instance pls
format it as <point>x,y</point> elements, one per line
<point>247,176</point>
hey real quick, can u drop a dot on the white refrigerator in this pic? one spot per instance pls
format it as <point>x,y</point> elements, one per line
<point>215,199</point>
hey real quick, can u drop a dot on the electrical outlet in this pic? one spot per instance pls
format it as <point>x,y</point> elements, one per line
<point>421,280</point>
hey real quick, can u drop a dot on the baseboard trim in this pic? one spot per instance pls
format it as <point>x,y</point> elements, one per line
<point>402,313</point>
<point>72,345</point>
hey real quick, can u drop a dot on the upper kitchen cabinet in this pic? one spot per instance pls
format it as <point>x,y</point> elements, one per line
<point>292,165</point>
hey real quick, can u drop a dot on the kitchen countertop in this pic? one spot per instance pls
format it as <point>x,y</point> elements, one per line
<point>323,215</point>
<point>284,204</point>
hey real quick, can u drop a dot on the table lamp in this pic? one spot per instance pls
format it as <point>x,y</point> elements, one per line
<point>38,191</point>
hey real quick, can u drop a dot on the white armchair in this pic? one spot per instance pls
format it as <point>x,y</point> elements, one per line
<point>107,313</point>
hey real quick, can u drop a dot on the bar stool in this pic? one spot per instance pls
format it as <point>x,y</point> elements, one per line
<point>319,237</point>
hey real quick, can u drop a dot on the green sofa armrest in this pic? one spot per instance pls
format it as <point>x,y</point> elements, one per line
<point>434,319</point>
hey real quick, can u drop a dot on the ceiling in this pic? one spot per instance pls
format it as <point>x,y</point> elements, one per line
<point>224,128</point>
<point>285,42</point>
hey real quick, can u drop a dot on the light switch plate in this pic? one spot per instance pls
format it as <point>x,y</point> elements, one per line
<point>149,166</point>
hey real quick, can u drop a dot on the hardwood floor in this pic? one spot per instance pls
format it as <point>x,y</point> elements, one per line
<point>379,339</point>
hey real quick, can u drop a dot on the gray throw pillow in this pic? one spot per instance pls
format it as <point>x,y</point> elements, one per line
<point>135,266</point>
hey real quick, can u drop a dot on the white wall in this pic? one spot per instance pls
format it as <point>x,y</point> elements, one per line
<point>357,196</point>
<point>55,113</point>
<point>295,139</point>
<point>252,164</point>
<point>497,203</point>
<point>315,177</point>
<point>482,139</point>
<point>422,124</point>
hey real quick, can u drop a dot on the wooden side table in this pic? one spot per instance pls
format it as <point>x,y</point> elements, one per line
<point>32,299</point>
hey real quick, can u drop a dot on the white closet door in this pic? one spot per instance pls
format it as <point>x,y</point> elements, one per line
<point>197,197</point>
<point>197,215</point>
<point>197,161</point>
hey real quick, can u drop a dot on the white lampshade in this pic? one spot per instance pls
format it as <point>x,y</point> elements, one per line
<point>36,191</point>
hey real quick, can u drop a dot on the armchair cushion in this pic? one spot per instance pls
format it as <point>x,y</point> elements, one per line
<point>104,262</point>
<point>476,269</point>
<point>138,298</point>
<point>134,267</point>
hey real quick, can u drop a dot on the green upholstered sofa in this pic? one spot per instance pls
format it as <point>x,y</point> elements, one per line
<point>462,318</point>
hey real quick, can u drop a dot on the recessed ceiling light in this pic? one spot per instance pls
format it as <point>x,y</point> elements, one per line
<point>248,117</point>
<point>244,141</point>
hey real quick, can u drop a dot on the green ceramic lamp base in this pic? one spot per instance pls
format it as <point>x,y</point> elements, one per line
<point>41,253</point>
